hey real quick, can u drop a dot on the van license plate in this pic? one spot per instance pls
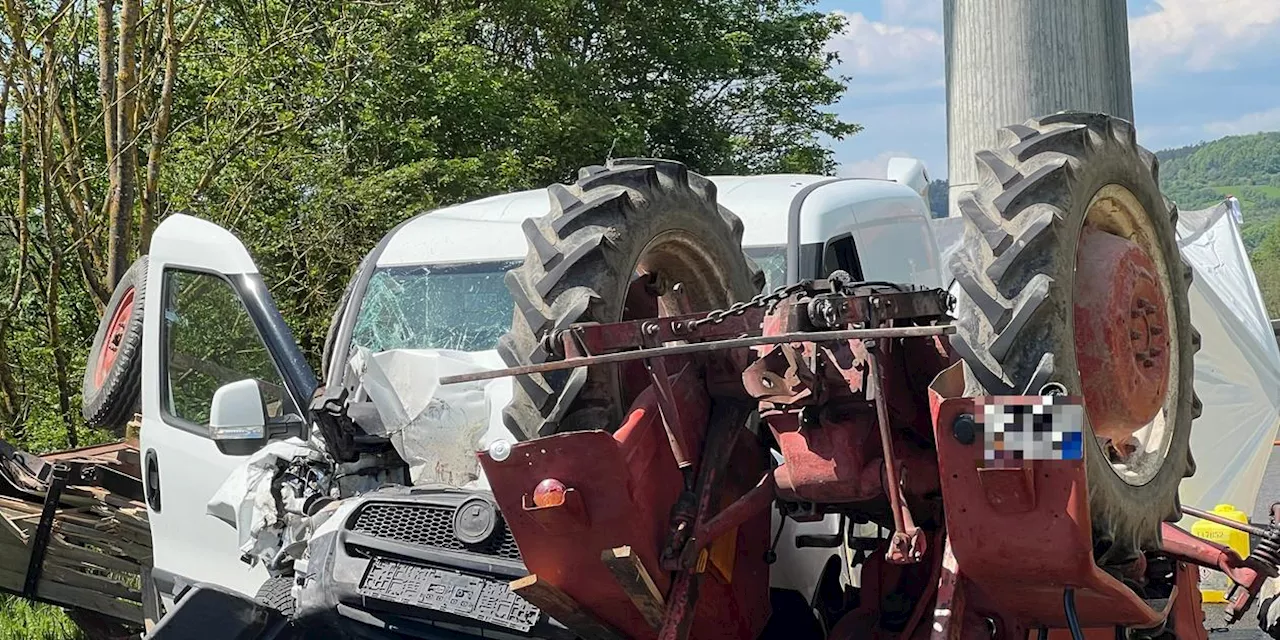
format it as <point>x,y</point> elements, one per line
<point>448,591</point>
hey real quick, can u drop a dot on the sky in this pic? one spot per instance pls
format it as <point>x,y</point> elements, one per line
<point>1202,69</point>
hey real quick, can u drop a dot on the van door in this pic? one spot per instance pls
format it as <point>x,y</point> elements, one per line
<point>208,321</point>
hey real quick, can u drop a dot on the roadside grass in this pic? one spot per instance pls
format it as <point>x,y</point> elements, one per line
<point>25,620</point>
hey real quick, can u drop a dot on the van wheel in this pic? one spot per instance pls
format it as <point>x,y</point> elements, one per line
<point>113,371</point>
<point>277,593</point>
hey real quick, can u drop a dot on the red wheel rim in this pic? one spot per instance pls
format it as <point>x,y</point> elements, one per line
<point>112,342</point>
<point>1125,335</point>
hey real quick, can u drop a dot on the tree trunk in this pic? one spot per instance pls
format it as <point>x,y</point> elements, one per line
<point>74,202</point>
<point>52,237</point>
<point>159,133</point>
<point>5,79</point>
<point>8,385</point>
<point>121,224</point>
<point>117,245</point>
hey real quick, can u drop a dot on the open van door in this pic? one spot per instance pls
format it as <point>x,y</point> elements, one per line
<point>210,327</point>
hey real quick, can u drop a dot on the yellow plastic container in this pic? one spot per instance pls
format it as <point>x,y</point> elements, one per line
<point>1213,584</point>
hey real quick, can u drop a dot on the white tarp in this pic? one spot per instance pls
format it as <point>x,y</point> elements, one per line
<point>1237,368</point>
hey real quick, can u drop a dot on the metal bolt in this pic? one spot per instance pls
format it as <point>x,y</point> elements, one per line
<point>766,383</point>
<point>965,429</point>
<point>650,328</point>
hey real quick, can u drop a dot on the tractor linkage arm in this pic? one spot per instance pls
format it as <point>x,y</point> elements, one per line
<point>1247,574</point>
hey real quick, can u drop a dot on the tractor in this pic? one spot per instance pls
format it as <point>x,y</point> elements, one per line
<point>1007,454</point>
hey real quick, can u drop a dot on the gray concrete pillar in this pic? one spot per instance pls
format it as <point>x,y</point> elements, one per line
<point>1009,60</point>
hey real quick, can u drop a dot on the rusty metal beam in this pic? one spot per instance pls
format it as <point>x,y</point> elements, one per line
<point>702,347</point>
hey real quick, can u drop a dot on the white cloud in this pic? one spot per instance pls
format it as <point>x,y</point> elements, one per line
<point>876,167</point>
<point>1268,120</point>
<point>884,58</point>
<point>1168,136</point>
<point>1201,35</point>
<point>911,11</point>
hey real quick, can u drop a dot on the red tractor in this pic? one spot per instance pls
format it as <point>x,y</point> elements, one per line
<point>1018,446</point>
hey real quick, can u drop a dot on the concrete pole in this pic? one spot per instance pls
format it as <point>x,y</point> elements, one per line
<point>1010,60</point>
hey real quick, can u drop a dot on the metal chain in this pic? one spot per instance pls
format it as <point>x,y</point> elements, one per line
<point>738,308</point>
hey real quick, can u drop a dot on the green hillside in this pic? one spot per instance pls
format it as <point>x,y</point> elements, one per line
<point>1247,167</point>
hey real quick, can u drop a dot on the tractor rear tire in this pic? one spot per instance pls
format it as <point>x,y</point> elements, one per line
<point>112,383</point>
<point>581,264</point>
<point>1016,270</point>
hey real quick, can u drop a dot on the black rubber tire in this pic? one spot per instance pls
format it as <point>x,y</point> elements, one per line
<point>114,403</point>
<point>277,593</point>
<point>1016,269</point>
<point>580,263</point>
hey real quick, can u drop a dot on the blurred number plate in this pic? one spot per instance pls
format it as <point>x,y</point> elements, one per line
<point>467,596</point>
<point>1016,429</point>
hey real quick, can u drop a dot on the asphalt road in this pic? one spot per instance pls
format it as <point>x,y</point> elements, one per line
<point>1247,628</point>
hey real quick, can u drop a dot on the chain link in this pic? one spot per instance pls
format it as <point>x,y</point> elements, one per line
<point>739,308</point>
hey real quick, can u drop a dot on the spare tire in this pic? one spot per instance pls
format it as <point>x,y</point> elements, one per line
<point>113,372</point>
<point>1072,283</point>
<point>634,215</point>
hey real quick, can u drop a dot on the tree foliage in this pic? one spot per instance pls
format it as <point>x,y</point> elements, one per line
<point>939,198</point>
<point>310,128</point>
<point>1247,167</point>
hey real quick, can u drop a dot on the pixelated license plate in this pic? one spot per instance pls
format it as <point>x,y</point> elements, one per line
<point>448,591</point>
<point>1020,428</point>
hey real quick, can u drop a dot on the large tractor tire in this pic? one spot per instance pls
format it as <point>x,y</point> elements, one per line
<point>1071,282</point>
<point>113,372</point>
<point>632,217</point>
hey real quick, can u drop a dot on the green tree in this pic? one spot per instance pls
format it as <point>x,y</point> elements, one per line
<point>311,128</point>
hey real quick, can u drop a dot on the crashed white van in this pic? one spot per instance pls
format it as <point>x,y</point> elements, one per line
<point>318,481</point>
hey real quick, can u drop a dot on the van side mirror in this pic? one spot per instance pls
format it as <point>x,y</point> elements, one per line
<point>238,418</point>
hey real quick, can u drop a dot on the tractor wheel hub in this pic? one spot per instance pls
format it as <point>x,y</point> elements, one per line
<point>1122,343</point>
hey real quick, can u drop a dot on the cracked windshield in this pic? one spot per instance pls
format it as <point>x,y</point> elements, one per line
<point>461,307</point>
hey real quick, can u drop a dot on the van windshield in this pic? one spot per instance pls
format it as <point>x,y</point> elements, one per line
<point>461,307</point>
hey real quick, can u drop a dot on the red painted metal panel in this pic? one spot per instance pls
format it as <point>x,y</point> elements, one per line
<point>625,485</point>
<point>1026,556</point>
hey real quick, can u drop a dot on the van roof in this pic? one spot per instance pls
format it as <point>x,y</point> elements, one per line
<point>489,229</point>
